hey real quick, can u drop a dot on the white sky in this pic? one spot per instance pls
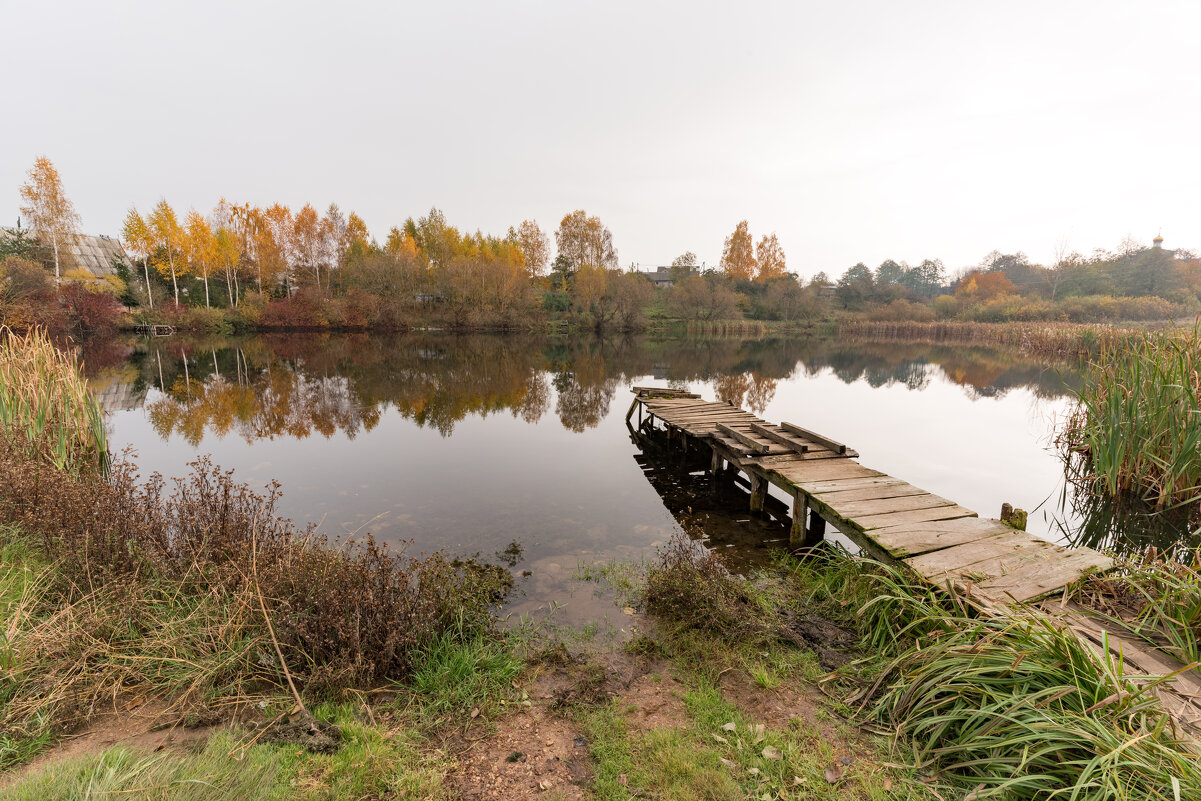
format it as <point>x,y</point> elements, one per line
<point>855,131</point>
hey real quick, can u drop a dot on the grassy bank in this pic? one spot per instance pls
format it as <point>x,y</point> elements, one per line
<point>1013,707</point>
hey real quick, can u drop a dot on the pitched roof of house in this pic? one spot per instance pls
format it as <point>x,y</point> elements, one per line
<point>92,253</point>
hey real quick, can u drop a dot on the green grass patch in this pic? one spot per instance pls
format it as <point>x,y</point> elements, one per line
<point>452,678</point>
<point>373,763</point>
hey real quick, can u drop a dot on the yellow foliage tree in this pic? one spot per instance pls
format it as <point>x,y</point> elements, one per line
<point>139,240</point>
<point>308,240</point>
<point>738,256</point>
<point>770,258</point>
<point>47,208</point>
<point>168,237</point>
<point>201,249</point>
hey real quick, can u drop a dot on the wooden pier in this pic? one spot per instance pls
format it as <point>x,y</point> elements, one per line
<point>890,519</point>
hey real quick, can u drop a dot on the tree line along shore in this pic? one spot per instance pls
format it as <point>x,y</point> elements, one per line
<point>245,267</point>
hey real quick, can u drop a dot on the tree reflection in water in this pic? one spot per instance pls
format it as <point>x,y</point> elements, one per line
<point>271,386</point>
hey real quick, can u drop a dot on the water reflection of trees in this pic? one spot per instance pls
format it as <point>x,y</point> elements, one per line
<point>299,385</point>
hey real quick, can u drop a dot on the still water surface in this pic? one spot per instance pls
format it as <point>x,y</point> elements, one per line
<point>472,443</point>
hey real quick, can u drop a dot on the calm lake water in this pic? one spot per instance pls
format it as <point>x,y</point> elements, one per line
<point>473,443</point>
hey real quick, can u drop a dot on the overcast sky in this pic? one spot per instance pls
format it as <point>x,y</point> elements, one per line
<point>855,131</point>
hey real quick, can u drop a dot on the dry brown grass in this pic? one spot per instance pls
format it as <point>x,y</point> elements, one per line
<point>43,394</point>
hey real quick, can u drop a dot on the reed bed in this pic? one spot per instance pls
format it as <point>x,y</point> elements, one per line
<point>1155,595</point>
<point>1035,339</point>
<point>726,328</point>
<point>44,395</point>
<point>1136,430</point>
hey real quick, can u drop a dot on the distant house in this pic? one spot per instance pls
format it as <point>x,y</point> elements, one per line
<point>92,253</point>
<point>662,276</point>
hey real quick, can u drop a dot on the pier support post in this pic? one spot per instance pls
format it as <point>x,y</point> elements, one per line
<point>808,527</point>
<point>817,528</point>
<point>800,511</point>
<point>715,465</point>
<point>758,492</point>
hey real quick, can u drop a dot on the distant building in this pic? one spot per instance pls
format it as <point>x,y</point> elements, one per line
<point>662,276</point>
<point>92,253</point>
<point>1157,241</point>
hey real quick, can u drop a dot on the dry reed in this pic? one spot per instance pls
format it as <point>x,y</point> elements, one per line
<point>44,395</point>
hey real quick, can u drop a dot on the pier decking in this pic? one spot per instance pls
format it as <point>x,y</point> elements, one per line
<point>890,519</point>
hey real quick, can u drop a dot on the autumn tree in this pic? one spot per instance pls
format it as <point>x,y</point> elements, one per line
<point>273,245</point>
<point>628,294</point>
<point>168,237</point>
<point>307,240</point>
<point>47,209</point>
<point>226,256</point>
<point>333,228</point>
<point>770,259</point>
<point>399,244</point>
<point>738,255</point>
<point>200,248</point>
<point>358,240</point>
<point>978,285</point>
<point>535,247</point>
<point>139,240</point>
<point>702,297</point>
<point>585,241</point>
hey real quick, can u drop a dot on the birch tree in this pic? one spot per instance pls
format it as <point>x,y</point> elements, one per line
<point>168,235</point>
<point>135,233</point>
<point>47,209</point>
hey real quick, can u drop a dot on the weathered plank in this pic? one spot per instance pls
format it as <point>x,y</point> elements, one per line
<point>880,506</point>
<point>919,538</point>
<point>872,493</point>
<point>813,436</point>
<point>840,484</point>
<point>736,445</point>
<point>1036,580</point>
<point>679,393</point>
<point>715,414</point>
<point>805,472</point>
<point>917,516</point>
<point>780,437</point>
<point>959,560</point>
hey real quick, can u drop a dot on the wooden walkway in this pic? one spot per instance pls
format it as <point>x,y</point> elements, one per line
<point>890,519</point>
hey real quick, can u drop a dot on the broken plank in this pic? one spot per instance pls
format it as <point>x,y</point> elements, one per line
<point>813,436</point>
<point>780,437</point>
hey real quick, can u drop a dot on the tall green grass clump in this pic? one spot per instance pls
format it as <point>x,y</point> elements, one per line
<point>1136,431</point>
<point>44,396</point>
<point>1007,706</point>
<point>1019,708</point>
